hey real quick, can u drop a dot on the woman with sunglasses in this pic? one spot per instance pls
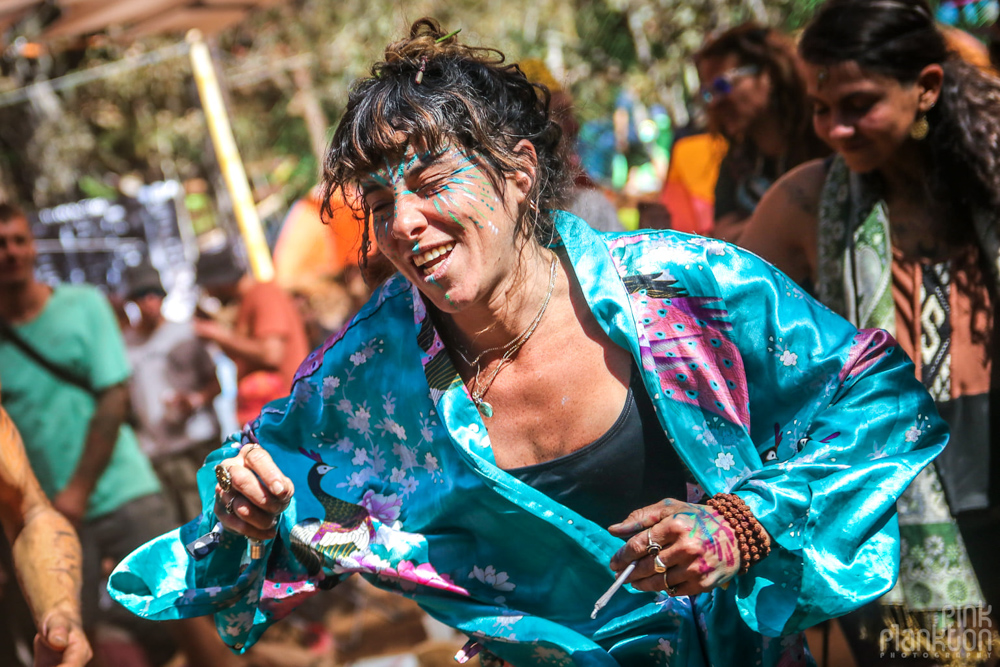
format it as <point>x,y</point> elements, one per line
<point>900,231</point>
<point>755,97</point>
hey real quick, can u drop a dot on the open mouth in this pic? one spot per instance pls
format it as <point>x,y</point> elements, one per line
<point>431,259</point>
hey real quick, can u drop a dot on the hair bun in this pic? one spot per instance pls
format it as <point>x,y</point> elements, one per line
<point>427,40</point>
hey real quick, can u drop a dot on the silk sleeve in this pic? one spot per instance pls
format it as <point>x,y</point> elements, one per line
<point>842,427</point>
<point>200,569</point>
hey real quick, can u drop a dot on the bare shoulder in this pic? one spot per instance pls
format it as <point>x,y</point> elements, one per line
<point>782,229</point>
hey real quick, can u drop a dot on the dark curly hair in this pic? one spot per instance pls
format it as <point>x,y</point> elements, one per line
<point>468,98</point>
<point>898,39</point>
<point>774,53</point>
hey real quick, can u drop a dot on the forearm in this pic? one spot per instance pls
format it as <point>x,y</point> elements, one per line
<point>109,414</point>
<point>45,548</point>
<point>47,560</point>
<point>259,353</point>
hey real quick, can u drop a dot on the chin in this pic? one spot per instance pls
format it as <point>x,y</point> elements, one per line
<point>861,163</point>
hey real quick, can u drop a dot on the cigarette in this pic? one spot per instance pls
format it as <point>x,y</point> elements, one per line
<point>604,599</point>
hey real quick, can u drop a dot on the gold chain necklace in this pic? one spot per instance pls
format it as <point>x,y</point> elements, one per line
<point>479,389</point>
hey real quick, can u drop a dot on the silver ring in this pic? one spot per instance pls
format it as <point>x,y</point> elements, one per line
<point>224,477</point>
<point>658,565</point>
<point>652,548</point>
<point>229,505</point>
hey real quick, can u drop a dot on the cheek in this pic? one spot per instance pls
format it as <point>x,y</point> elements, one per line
<point>820,126</point>
<point>749,99</point>
<point>380,230</point>
<point>884,126</point>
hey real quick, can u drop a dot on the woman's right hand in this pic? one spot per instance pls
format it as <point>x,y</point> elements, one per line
<point>257,493</point>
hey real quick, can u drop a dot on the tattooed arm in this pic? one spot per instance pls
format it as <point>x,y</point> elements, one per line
<point>46,556</point>
<point>699,547</point>
<point>782,229</point>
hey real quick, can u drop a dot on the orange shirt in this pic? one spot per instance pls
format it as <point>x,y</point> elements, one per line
<point>689,192</point>
<point>266,310</point>
<point>308,250</point>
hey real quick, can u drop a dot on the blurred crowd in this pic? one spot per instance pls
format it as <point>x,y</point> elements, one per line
<point>800,139</point>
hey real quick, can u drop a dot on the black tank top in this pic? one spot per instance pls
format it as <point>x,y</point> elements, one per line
<point>631,466</point>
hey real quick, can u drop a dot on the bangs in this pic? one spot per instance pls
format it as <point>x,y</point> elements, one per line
<point>386,116</point>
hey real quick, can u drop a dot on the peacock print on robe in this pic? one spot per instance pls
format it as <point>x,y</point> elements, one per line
<point>344,530</point>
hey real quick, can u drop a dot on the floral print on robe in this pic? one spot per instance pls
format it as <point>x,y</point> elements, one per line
<point>763,392</point>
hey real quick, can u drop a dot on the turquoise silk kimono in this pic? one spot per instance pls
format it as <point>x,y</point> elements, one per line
<point>763,392</point>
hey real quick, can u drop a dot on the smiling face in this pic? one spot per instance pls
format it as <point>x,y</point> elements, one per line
<point>444,226</point>
<point>865,117</point>
<point>747,99</point>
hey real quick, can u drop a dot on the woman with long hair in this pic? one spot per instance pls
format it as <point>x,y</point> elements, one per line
<point>754,92</point>
<point>900,231</point>
<point>530,410</point>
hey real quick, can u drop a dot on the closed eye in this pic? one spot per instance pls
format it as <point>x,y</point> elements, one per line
<point>433,188</point>
<point>379,204</point>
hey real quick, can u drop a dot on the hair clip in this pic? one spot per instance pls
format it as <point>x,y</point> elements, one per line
<point>449,35</point>
<point>423,66</point>
<point>423,59</point>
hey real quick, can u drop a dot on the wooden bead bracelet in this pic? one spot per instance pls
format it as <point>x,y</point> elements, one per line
<point>753,542</point>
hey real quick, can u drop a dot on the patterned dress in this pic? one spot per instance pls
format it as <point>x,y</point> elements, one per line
<point>819,427</point>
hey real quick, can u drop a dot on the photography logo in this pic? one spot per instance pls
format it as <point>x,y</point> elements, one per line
<point>961,633</point>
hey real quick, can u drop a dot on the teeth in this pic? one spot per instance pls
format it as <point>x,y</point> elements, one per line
<point>432,254</point>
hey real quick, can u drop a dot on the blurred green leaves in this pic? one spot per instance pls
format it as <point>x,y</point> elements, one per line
<point>148,121</point>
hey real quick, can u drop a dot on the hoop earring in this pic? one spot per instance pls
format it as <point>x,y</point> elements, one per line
<point>920,128</point>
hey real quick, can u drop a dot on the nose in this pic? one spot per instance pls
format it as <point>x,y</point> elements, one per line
<point>409,222</point>
<point>840,129</point>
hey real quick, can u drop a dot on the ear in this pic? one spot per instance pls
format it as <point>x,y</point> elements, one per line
<point>929,83</point>
<point>524,176</point>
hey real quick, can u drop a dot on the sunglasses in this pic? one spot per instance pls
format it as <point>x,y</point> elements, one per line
<point>723,84</point>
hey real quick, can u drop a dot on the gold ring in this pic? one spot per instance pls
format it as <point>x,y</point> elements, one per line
<point>670,590</point>
<point>658,565</point>
<point>223,477</point>
<point>652,548</point>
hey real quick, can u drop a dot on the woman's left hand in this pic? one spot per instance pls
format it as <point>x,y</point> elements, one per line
<point>698,549</point>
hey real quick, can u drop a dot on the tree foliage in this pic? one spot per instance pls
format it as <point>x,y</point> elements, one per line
<point>148,122</point>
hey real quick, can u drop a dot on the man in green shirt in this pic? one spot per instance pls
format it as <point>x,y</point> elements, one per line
<point>65,370</point>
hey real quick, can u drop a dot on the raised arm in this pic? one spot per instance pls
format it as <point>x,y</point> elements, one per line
<point>46,556</point>
<point>263,353</point>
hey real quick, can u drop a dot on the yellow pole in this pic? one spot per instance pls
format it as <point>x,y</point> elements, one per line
<point>229,158</point>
